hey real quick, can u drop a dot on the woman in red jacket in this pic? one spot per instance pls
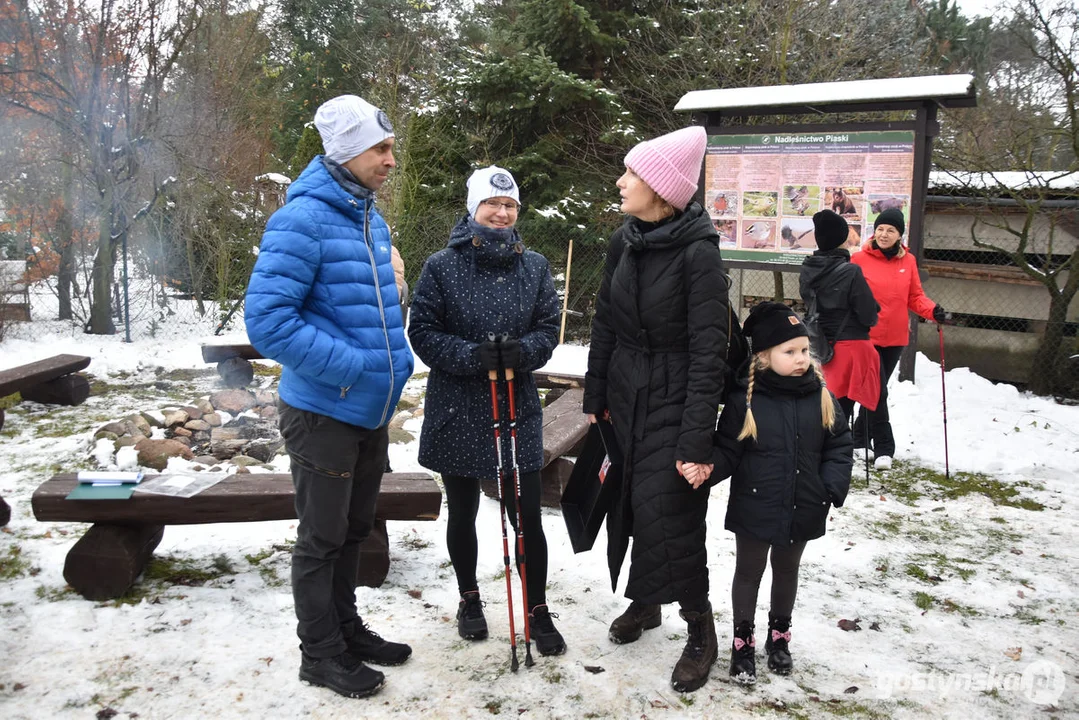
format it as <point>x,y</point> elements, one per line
<point>892,274</point>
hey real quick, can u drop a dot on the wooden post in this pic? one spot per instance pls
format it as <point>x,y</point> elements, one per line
<point>374,556</point>
<point>565,295</point>
<point>105,561</point>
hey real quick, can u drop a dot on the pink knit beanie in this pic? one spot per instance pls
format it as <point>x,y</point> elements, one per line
<point>671,163</point>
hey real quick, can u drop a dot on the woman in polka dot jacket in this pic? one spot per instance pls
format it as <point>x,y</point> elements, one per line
<point>486,282</point>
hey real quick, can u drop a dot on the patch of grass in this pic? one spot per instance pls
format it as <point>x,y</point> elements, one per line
<point>1025,615</point>
<point>13,564</point>
<point>909,483</point>
<point>265,370</point>
<point>259,557</point>
<point>552,675</point>
<point>953,607</point>
<point>9,401</point>
<point>185,375</point>
<point>916,572</point>
<point>999,520</point>
<point>686,700</point>
<point>841,708</point>
<point>493,706</point>
<point>54,594</point>
<point>415,542</point>
<point>923,600</point>
<point>888,527</point>
<point>184,571</point>
<point>941,564</point>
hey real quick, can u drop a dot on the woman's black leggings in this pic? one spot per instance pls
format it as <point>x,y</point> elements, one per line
<point>463,502</point>
<point>751,558</point>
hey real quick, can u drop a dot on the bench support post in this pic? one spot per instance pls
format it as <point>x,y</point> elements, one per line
<point>66,390</point>
<point>374,557</point>
<point>105,561</point>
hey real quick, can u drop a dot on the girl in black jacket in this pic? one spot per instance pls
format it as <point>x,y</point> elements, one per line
<point>785,443</point>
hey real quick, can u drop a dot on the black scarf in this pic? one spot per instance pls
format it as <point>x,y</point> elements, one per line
<point>890,252</point>
<point>771,383</point>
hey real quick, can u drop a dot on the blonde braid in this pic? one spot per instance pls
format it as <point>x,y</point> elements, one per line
<point>827,409</point>
<point>749,427</point>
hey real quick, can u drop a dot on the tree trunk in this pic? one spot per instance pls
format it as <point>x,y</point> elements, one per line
<point>66,240</point>
<point>101,281</point>
<point>1046,374</point>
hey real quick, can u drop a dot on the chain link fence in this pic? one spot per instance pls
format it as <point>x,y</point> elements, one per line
<point>1000,327</point>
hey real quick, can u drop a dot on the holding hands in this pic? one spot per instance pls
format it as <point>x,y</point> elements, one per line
<point>694,473</point>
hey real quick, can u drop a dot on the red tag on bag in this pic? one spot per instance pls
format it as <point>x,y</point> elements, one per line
<point>604,468</point>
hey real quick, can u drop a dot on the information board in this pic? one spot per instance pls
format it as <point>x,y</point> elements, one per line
<point>762,190</point>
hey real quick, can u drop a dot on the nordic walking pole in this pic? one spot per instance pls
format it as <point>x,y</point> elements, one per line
<point>943,399</point>
<point>866,428</point>
<point>493,377</point>
<point>529,662</point>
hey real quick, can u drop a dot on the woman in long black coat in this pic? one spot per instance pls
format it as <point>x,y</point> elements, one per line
<point>486,282</point>
<point>655,369</point>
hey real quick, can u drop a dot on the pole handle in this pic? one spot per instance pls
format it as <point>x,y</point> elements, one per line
<point>509,374</point>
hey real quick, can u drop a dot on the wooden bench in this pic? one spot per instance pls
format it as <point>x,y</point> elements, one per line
<point>52,380</point>
<point>564,428</point>
<point>108,559</point>
<point>233,362</point>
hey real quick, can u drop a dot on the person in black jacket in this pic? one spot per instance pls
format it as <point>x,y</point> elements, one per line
<point>486,282</point>
<point>785,443</point>
<point>847,310</point>
<point>655,369</point>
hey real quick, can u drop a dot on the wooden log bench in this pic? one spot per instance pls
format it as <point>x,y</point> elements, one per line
<point>112,554</point>
<point>52,380</point>
<point>233,362</point>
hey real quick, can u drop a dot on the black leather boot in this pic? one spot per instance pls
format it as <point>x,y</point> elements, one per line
<point>637,618</point>
<point>778,645</point>
<point>743,658</point>
<point>702,649</point>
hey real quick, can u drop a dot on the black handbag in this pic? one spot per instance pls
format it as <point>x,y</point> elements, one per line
<point>593,486</point>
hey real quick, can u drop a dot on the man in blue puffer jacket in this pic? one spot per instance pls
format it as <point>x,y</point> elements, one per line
<point>323,302</point>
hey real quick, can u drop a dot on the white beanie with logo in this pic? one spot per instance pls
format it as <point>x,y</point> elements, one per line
<point>349,125</point>
<point>490,182</point>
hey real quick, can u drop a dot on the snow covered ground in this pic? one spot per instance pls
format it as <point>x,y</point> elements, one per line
<point>963,590</point>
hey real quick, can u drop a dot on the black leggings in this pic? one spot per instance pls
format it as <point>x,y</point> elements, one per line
<point>751,558</point>
<point>463,502</point>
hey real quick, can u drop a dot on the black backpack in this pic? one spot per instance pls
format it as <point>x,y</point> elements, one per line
<point>737,350</point>
<point>819,344</point>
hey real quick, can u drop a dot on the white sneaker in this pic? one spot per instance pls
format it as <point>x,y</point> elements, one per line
<point>884,462</point>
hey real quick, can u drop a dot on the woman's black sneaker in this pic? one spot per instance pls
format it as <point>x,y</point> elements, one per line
<point>548,640</point>
<point>344,674</point>
<point>471,624</point>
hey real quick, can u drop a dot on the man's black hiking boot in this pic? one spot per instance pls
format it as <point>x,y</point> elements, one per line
<point>344,674</point>
<point>368,645</point>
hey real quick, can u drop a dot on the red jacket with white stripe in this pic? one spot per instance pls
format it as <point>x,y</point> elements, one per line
<point>896,288</point>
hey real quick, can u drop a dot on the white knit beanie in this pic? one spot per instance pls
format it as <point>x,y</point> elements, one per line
<point>490,182</point>
<point>349,125</point>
